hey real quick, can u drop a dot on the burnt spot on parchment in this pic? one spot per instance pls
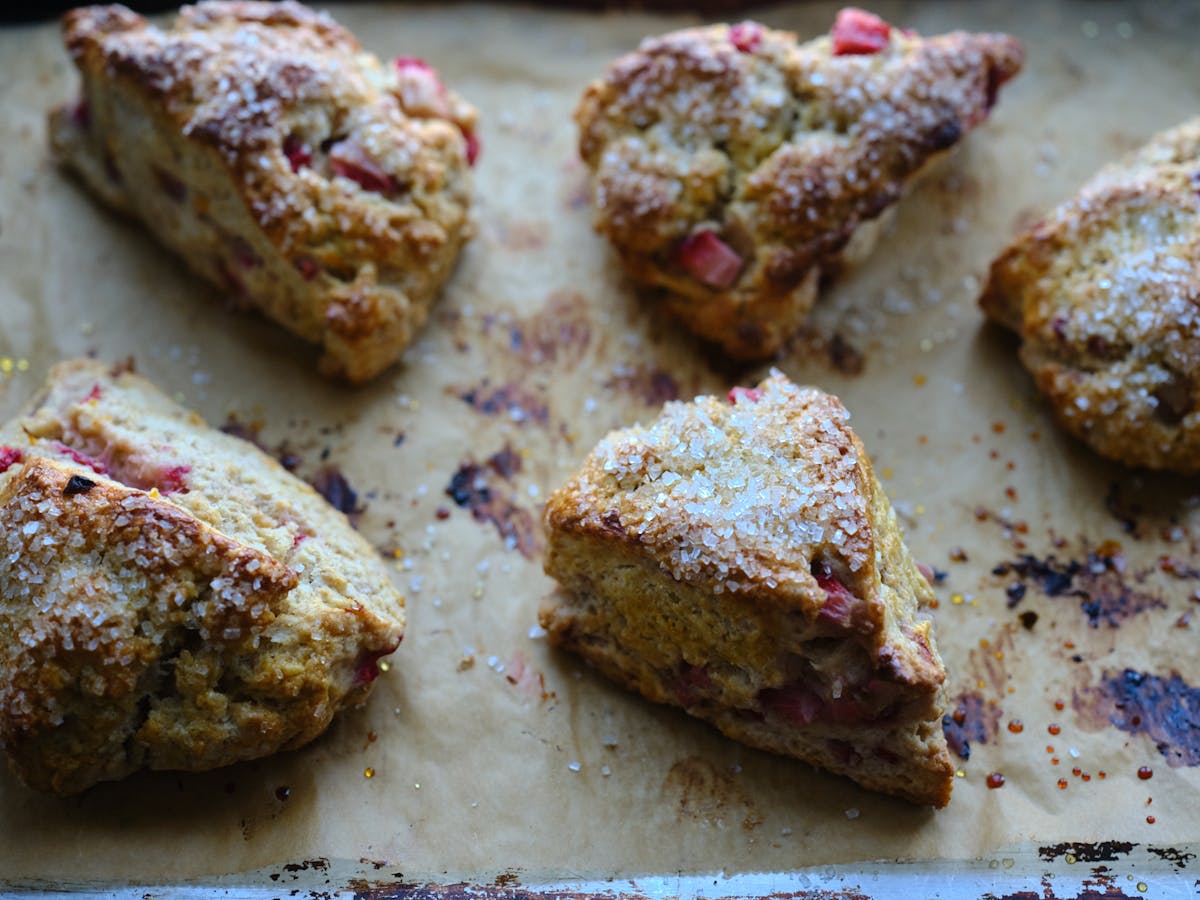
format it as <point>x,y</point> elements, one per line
<point>511,401</point>
<point>703,793</point>
<point>560,331</point>
<point>486,490</point>
<point>1100,580</point>
<point>651,385</point>
<point>971,719</point>
<point>834,350</point>
<point>1164,708</point>
<point>333,485</point>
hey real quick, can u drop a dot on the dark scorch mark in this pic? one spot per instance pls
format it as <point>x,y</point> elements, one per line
<point>972,719</point>
<point>1099,581</point>
<point>484,490</point>
<point>1166,709</point>
<point>510,401</point>
<point>333,486</point>
<point>653,387</point>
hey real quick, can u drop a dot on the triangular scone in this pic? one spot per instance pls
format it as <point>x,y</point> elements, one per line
<point>281,162</point>
<point>739,559</point>
<point>170,596</point>
<point>732,165</point>
<point>1103,292</point>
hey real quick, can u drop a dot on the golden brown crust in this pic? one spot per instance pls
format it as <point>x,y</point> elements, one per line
<point>170,597</point>
<point>740,560</point>
<point>1104,294</point>
<point>783,150</point>
<point>281,162</point>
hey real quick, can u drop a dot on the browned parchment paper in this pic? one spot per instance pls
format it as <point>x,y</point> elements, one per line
<point>487,752</point>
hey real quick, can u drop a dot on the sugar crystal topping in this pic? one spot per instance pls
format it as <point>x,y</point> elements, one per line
<point>734,494</point>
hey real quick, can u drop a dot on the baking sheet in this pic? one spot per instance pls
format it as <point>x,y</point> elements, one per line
<point>484,755</point>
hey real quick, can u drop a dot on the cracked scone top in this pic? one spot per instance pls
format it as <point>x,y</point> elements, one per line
<point>1105,296</point>
<point>733,165</point>
<point>170,596</point>
<point>281,162</point>
<point>739,559</point>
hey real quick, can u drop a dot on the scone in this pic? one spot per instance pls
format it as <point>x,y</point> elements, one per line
<point>1103,293</point>
<point>739,559</point>
<point>734,169</point>
<point>170,596</point>
<point>281,162</point>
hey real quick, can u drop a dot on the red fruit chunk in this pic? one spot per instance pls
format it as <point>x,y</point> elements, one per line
<point>367,668</point>
<point>421,91</point>
<point>473,147</point>
<point>244,255</point>
<point>299,539</point>
<point>709,260</point>
<point>9,456</point>
<point>82,458</point>
<point>406,63</point>
<point>307,266</point>
<point>298,153</point>
<point>857,32</point>
<point>349,160</point>
<point>750,395</point>
<point>796,703</point>
<point>846,711</point>
<point>746,36</point>
<point>693,680</point>
<point>839,602</point>
<point>81,114</point>
<point>171,481</point>
<point>93,394</point>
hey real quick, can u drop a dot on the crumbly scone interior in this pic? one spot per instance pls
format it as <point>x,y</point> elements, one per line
<point>741,562</point>
<point>1103,294</point>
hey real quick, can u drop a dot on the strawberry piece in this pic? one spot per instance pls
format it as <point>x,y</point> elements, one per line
<point>750,395</point>
<point>839,603</point>
<point>421,91</point>
<point>243,253</point>
<point>693,683</point>
<point>366,669</point>
<point>299,539</point>
<point>796,703</point>
<point>9,456</point>
<point>857,32</point>
<point>473,147</point>
<point>81,114</point>
<point>307,267</point>
<point>171,481</point>
<point>82,458</point>
<point>298,153</point>
<point>845,711</point>
<point>93,394</point>
<point>746,36</point>
<point>709,260</point>
<point>349,160</point>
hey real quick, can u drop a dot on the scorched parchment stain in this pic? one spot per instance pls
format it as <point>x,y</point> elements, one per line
<point>514,402</point>
<point>1099,581</point>
<point>486,490</point>
<point>1164,708</point>
<point>971,719</point>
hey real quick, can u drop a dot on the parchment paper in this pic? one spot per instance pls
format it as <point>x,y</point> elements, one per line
<point>560,774</point>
